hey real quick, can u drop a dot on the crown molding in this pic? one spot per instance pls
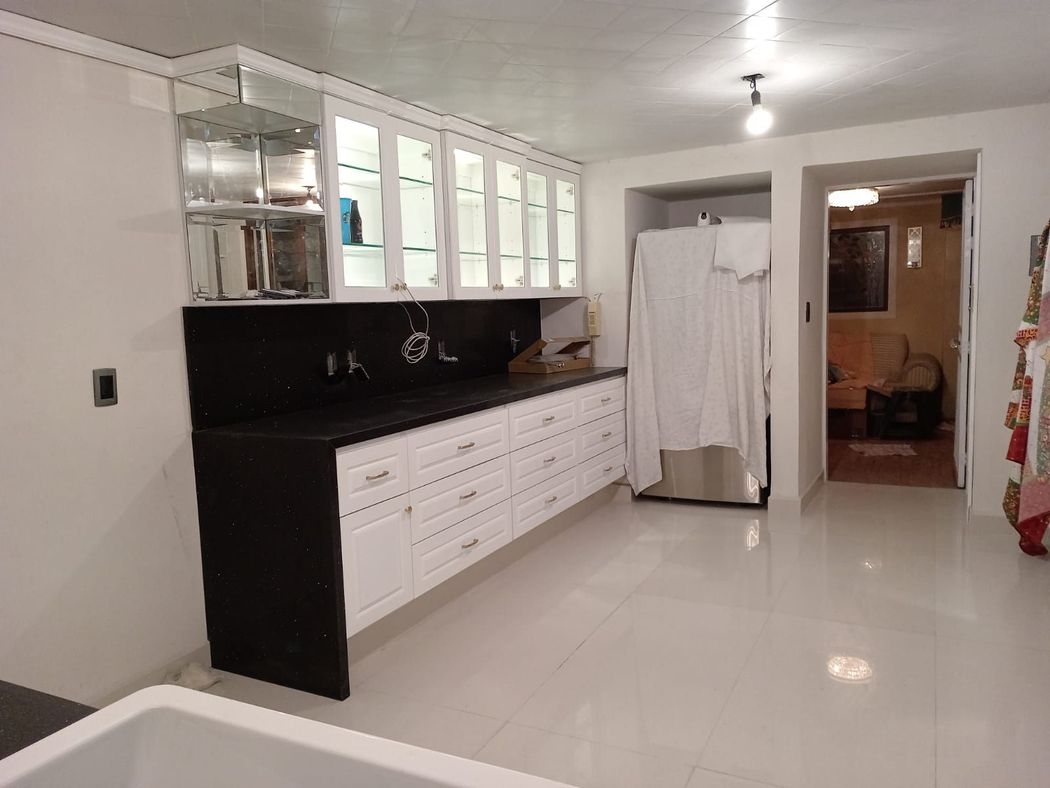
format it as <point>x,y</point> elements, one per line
<point>23,27</point>
<point>18,26</point>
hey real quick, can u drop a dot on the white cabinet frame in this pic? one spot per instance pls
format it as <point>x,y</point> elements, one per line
<point>393,245</point>
<point>494,287</point>
<point>557,288</point>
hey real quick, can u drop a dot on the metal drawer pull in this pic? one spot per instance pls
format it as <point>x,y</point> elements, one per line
<point>608,468</point>
<point>469,544</point>
<point>552,499</point>
<point>379,475</point>
<point>548,419</point>
<point>466,446</point>
<point>606,435</point>
<point>466,495</point>
<point>606,400</point>
<point>549,459</point>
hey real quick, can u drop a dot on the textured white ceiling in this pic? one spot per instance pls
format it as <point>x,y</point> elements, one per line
<point>590,80</point>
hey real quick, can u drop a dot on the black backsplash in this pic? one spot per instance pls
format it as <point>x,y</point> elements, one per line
<point>246,362</point>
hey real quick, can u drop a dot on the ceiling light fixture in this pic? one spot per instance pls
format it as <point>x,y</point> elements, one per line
<point>760,120</point>
<point>849,670</point>
<point>853,198</point>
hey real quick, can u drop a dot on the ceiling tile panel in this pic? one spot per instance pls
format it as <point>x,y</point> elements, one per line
<point>593,79</point>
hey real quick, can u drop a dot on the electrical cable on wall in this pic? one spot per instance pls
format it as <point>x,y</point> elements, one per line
<point>418,343</point>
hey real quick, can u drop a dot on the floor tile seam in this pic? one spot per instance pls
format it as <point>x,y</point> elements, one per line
<point>732,689</point>
<point>569,656</point>
<point>489,740</point>
<point>661,758</point>
<point>684,601</point>
<point>842,622</point>
<point>724,773</point>
<point>441,706</point>
<point>961,641</point>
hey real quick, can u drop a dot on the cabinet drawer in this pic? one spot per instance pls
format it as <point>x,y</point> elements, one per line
<point>542,417</point>
<point>602,470</point>
<point>601,435</point>
<point>377,562</point>
<point>370,473</point>
<point>436,559</point>
<point>542,502</point>
<point>541,461</point>
<point>448,501</point>
<point>442,450</point>
<point>600,399</point>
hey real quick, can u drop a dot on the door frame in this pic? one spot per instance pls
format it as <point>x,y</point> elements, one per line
<point>974,175</point>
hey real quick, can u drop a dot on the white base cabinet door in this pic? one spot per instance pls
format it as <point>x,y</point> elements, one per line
<point>377,561</point>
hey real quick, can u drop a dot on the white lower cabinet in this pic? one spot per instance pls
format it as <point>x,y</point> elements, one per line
<point>446,502</point>
<point>443,555</point>
<point>422,506</point>
<point>541,461</point>
<point>377,561</point>
<point>602,470</point>
<point>540,503</point>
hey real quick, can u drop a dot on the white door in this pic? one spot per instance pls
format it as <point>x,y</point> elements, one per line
<point>962,342</point>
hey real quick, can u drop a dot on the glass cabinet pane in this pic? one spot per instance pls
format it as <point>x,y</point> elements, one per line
<point>470,213</point>
<point>415,162</point>
<point>566,196</point>
<point>292,164</point>
<point>508,205</point>
<point>539,240</point>
<point>360,203</point>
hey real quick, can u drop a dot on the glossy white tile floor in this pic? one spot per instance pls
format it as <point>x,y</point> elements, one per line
<point>657,644</point>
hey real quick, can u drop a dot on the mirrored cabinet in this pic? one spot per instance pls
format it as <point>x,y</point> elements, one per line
<point>554,231</point>
<point>386,223</point>
<point>488,228</point>
<point>251,173</point>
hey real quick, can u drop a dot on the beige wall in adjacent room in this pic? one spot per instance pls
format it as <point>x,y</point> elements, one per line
<point>926,299</point>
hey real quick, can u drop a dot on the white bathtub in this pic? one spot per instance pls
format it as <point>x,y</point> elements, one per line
<point>168,737</point>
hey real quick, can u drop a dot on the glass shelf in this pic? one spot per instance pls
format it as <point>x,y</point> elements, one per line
<point>359,169</point>
<point>464,190</point>
<point>508,199</point>
<point>406,180</point>
<point>474,254</point>
<point>418,249</point>
<point>252,211</point>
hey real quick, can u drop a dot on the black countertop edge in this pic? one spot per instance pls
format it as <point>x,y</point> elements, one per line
<point>363,420</point>
<point>26,716</point>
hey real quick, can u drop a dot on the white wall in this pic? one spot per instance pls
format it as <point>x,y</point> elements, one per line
<point>683,213</point>
<point>1015,205</point>
<point>100,577</point>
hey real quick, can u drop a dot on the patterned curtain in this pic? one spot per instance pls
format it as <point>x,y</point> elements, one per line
<point>1027,499</point>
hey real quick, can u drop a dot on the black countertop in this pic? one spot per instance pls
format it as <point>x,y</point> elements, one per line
<point>26,716</point>
<point>355,422</point>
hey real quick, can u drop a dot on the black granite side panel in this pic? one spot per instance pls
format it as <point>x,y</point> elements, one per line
<point>246,362</point>
<point>270,547</point>
<point>26,716</point>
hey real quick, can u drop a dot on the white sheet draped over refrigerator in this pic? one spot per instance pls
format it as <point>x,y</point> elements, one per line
<point>698,351</point>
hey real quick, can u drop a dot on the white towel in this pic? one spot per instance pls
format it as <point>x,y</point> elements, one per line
<point>743,246</point>
<point>698,357</point>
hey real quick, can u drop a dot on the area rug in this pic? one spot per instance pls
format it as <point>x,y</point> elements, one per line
<point>884,449</point>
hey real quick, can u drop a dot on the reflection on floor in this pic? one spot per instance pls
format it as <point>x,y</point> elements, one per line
<point>932,466</point>
<point>877,640</point>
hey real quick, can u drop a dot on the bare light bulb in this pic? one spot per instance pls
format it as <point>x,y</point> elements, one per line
<point>760,121</point>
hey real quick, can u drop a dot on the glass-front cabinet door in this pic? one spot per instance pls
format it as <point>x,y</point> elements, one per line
<point>386,230</point>
<point>488,230</point>
<point>566,200</point>
<point>554,231</point>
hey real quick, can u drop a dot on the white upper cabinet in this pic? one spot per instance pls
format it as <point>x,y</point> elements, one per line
<point>386,223</point>
<point>554,231</point>
<point>487,220</point>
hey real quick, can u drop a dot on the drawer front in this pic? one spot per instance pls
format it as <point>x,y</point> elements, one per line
<point>377,562</point>
<point>541,461</point>
<point>445,449</point>
<point>451,500</point>
<point>438,558</point>
<point>601,399</point>
<point>542,417</point>
<point>542,502</point>
<point>370,473</point>
<point>602,470</point>
<point>601,435</point>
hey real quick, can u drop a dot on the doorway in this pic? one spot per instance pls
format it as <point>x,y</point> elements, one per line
<point>899,264</point>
